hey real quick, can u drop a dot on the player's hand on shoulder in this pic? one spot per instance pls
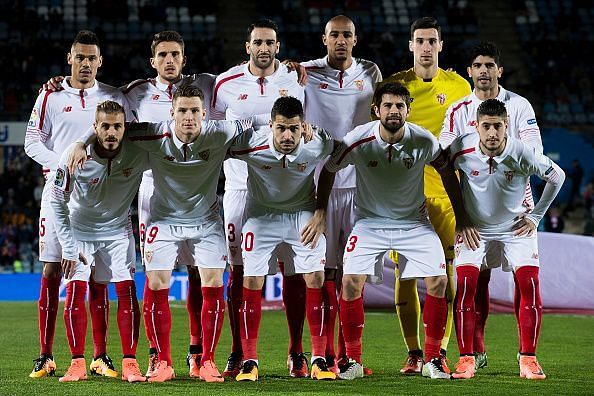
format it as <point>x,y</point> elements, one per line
<point>54,84</point>
<point>469,233</point>
<point>315,227</point>
<point>77,157</point>
<point>308,132</point>
<point>299,68</point>
<point>524,226</point>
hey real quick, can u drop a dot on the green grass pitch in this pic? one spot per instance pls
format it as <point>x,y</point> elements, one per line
<point>565,352</point>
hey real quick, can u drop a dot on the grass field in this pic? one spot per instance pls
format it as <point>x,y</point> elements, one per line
<point>565,352</point>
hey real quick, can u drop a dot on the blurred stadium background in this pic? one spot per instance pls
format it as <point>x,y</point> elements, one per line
<point>545,46</point>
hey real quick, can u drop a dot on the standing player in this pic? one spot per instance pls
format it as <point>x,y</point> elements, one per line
<point>495,169</point>
<point>338,96</point>
<point>241,92</point>
<point>96,226</point>
<point>391,216</point>
<point>485,70</point>
<point>150,101</point>
<point>433,91</point>
<point>56,121</point>
<point>280,184</point>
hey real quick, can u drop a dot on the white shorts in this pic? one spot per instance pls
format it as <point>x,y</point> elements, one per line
<point>419,251</point>
<point>233,213</point>
<point>50,250</point>
<point>507,251</point>
<point>111,260</point>
<point>202,245</point>
<point>340,219</point>
<point>271,235</point>
<point>145,192</point>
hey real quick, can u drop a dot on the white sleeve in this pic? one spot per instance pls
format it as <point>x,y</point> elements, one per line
<point>448,129</point>
<point>529,131</point>
<point>38,132</point>
<point>61,190</point>
<point>433,149</point>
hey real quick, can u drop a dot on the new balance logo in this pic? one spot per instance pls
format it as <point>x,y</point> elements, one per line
<point>472,123</point>
<point>94,181</point>
<point>155,97</point>
<point>372,164</point>
<point>242,97</point>
<point>170,158</point>
<point>323,86</point>
<point>442,266</point>
<point>474,173</point>
<point>266,167</point>
<point>67,109</point>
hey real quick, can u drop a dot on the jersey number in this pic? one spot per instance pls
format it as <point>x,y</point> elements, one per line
<point>351,244</point>
<point>249,242</point>
<point>41,226</point>
<point>152,234</point>
<point>142,232</point>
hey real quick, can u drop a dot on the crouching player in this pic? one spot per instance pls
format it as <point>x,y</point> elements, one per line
<point>494,171</point>
<point>92,219</point>
<point>281,200</point>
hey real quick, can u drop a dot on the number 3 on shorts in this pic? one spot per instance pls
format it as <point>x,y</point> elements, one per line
<point>351,243</point>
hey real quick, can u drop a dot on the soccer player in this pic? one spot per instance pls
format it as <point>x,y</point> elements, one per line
<point>338,96</point>
<point>241,92</point>
<point>495,169</point>
<point>485,70</point>
<point>56,121</point>
<point>91,210</point>
<point>150,101</point>
<point>433,90</point>
<point>280,202</point>
<point>391,215</point>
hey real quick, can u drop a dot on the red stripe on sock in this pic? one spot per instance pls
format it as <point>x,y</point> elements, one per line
<point>314,307</point>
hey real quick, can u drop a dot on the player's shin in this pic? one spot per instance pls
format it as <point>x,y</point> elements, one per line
<point>99,312</point>
<point>315,311</point>
<point>464,315</point>
<point>293,297</point>
<point>530,314</point>
<point>128,317</point>
<point>481,310</point>
<point>157,319</point>
<point>234,299</point>
<point>213,315</point>
<point>352,319</point>
<point>250,315</point>
<point>434,319</point>
<point>330,313</point>
<point>194,308</point>
<point>47,312</point>
<point>75,317</point>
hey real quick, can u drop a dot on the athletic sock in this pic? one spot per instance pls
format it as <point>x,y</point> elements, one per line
<point>450,295</point>
<point>464,307</point>
<point>530,308</point>
<point>99,312</point>
<point>128,316</point>
<point>330,313</point>
<point>194,308</point>
<point>149,337</point>
<point>315,311</point>
<point>157,320</point>
<point>213,316</point>
<point>75,316</point>
<point>408,308</point>
<point>352,320</point>
<point>434,319</point>
<point>481,310</point>
<point>47,308</point>
<point>250,316</point>
<point>234,298</point>
<point>293,297</point>
<point>517,310</point>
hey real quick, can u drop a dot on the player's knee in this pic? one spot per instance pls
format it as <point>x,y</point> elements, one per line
<point>52,270</point>
<point>158,280</point>
<point>436,285</point>
<point>253,282</point>
<point>211,277</point>
<point>314,280</point>
<point>352,286</point>
<point>330,274</point>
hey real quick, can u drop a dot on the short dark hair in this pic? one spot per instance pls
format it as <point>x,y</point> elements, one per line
<point>86,37</point>
<point>391,88</point>
<point>425,23</point>
<point>262,23</point>
<point>188,91</point>
<point>491,107</point>
<point>485,49</point>
<point>287,106</point>
<point>167,35</point>
<point>109,107</point>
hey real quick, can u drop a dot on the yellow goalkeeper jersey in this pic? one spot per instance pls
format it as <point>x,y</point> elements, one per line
<point>431,99</point>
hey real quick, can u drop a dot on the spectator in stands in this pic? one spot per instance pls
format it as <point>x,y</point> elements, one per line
<point>576,174</point>
<point>553,221</point>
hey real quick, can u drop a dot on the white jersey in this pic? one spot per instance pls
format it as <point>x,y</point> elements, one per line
<point>185,175</point>
<point>389,176</point>
<point>59,118</point>
<point>93,203</point>
<point>493,187</point>
<point>339,101</point>
<point>239,95</point>
<point>460,119</point>
<point>280,182</point>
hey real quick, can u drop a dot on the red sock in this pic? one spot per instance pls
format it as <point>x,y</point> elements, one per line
<point>481,311</point>
<point>352,320</point>
<point>148,333</point>
<point>213,316</point>
<point>47,308</point>
<point>194,307</point>
<point>517,310</point>
<point>157,320</point>
<point>340,345</point>
<point>250,316</point>
<point>293,298</point>
<point>315,312</point>
<point>234,291</point>
<point>530,308</point>
<point>464,309</point>
<point>99,309</point>
<point>75,317</point>
<point>128,316</point>
<point>330,312</point>
<point>435,314</point>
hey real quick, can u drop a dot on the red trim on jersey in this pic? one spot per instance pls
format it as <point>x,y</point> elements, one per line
<point>462,152</point>
<point>454,110</point>
<point>133,85</point>
<point>67,181</point>
<point>354,145</point>
<point>250,150</point>
<point>216,90</point>
<point>42,115</point>
<point>340,78</point>
<point>46,170</point>
<point>81,93</point>
<point>261,82</point>
<point>314,67</point>
<point>152,137</point>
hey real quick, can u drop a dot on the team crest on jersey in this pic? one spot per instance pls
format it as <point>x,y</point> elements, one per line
<point>509,175</point>
<point>34,117</point>
<point>127,172</point>
<point>60,177</point>
<point>67,109</point>
<point>302,166</point>
<point>155,97</point>
<point>242,97</point>
<point>148,255</point>
<point>204,155</point>
<point>408,162</point>
<point>441,98</point>
<point>283,92</point>
<point>359,84</point>
<point>372,164</point>
<point>323,85</point>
